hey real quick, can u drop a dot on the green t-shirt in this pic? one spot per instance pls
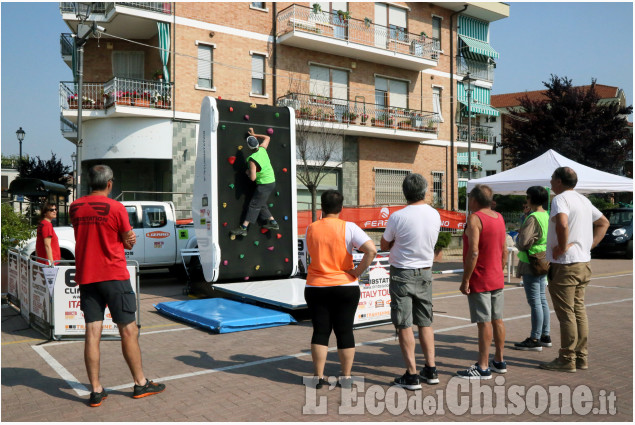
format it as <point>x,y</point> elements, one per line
<point>261,158</point>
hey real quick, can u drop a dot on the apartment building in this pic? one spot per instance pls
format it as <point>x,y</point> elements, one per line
<point>496,161</point>
<point>385,78</point>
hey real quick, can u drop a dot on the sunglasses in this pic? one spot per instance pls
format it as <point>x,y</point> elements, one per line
<point>52,209</point>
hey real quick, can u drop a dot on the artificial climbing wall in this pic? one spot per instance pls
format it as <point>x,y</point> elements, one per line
<point>222,192</point>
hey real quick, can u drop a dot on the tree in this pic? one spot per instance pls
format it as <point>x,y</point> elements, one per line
<point>15,229</point>
<point>571,121</point>
<point>51,170</point>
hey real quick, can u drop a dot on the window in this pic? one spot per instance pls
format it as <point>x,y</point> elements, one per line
<point>154,216</point>
<point>258,74</point>
<point>391,93</point>
<point>437,189</point>
<point>128,65</point>
<point>436,31</point>
<point>388,186</point>
<point>257,4</point>
<point>436,101</point>
<point>328,82</point>
<point>490,172</point>
<point>330,180</point>
<point>395,18</point>
<point>205,74</point>
<point>133,217</point>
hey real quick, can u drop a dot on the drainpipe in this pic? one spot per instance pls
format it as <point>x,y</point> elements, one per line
<point>275,51</point>
<point>452,59</point>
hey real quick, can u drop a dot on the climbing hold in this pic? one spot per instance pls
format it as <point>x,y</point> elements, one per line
<point>270,248</point>
<point>277,115</point>
<point>278,236</point>
<point>240,147</point>
<point>270,205</point>
<point>284,170</point>
<point>231,160</point>
<point>286,260</point>
<point>246,277</point>
<point>231,185</point>
<point>284,145</point>
<point>277,193</point>
<point>242,256</point>
<point>225,224</point>
<point>256,243</point>
<point>270,131</point>
<point>257,267</point>
<point>253,105</point>
<point>222,127</point>
<point>220,98</point>
<point>246,117</point>
<point>232,237</point>
<point>278,271</point>
<point>286,218</point>
<point>225,262</point>
<point>231,109</point>
<point>263,230</point>
<point>224,204</point>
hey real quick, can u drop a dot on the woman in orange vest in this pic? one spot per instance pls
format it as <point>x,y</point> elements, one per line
<point>332,291</point>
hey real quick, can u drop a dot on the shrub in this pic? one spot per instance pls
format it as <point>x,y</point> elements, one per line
<point>15,229</point>
<point>443,241</point>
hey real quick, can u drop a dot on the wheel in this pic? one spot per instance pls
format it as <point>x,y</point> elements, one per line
<point>629,249</point>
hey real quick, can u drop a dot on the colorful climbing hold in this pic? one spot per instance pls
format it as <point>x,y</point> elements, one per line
<point>242,256</point>
<point>270,248</point>
<point>257,267</point>
<point>253,105</point>
<point>277,115</point>
<point>225,224</point>
<point>286,260</point>
<point>231,109</point>
<point>231,185</point>
<point>278,236</point>
<point>270,131</point>
<point>224,204</point>
<point>232,237</point>
<point>277,193</point>
<point>246,117</point>
<point>225,262</point>
<point>222,126</point>
<point>270,205</point>
<point>246,277</point>
<point>256,243</point>
<point>231,160</point>
<point>240,147</point>
<point>220,98</point>
<point>284,170</point>
<point>263,230</point>
<point>286,218</point>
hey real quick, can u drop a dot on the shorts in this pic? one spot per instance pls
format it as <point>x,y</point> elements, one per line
<point>116,294</point>
<point>486,306</point>
<point>410,297</point>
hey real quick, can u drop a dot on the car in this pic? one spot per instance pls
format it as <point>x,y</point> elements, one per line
<point>619,236</point>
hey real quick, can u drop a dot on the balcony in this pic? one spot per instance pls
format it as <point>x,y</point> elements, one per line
<point>117,98</point>
<point>299,26</point>
<point>479,70</point>
<point>67,46</point>
<point>360,118</point>
<point>466,174</point>
<point>481,134</point>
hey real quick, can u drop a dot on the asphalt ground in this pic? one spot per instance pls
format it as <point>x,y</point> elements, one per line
<point>257,375</point>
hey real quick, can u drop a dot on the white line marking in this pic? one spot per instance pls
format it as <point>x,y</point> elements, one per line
<point>79,388</point>
<point>612,276</point>
<point>451,317</point>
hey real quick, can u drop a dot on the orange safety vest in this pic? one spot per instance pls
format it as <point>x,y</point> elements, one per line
<point>326,243</point>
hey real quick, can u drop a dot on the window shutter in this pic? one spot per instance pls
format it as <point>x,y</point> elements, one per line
<point>397,17</point>
<point>205,66</point>
<point>257,66</point>
<point>319,84</point>
<point>436,101</point>
<point>398,94</point>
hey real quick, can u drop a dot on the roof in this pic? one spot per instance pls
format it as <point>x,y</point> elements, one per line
<point>509,100</point>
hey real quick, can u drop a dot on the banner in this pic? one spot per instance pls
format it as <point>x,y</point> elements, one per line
<point>40,299</point>
<point>68,318</point>
<point>13,278</point>
<point>374,301</point>
<point>23,286</point>
<point>377,217</point>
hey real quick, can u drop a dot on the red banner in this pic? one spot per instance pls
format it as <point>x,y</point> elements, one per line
<point>377,217</point>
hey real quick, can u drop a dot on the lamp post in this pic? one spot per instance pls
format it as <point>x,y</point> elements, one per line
<point>20,133</point>
<point>467,79</point>
<point>74,159</point>
<point>82,13</point>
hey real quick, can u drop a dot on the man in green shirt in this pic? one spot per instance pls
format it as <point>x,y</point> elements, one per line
<point>259,169</point>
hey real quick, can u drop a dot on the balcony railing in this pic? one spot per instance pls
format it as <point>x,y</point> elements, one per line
<point>67,126</point>
<point>67,44</point>
<point>333,26</point>
<point>104,8</point>
<point>119,91</point>
<point>480,70</point>
<point>480,134</point>
<point>466,174</point>
<point>69,7</point>
<point>322,108</point>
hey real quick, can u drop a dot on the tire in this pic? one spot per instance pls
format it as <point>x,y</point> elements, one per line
<point>629,249</point>
<point>178,271</point>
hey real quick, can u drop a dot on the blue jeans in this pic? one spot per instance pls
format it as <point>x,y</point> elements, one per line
<point>535,291</point>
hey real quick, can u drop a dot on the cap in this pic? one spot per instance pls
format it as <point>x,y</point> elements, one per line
<point>252,142</point>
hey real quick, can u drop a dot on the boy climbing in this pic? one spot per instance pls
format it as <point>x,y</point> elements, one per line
<point>259,169</point>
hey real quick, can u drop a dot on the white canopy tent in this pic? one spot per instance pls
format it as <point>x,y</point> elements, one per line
<point>537,172</point>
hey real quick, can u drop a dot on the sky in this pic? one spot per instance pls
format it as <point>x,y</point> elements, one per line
<point>581,41</point>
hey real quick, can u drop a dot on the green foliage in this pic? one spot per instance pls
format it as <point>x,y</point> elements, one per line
<point>15,229</point>
<point>509,203</point>
<point>51,170</point>
<point>600,203</point>
<point>443,241</point>
<point>572,121</point>
<point>462,197</point>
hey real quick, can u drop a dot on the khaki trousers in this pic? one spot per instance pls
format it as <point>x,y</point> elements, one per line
<point>567,285</point>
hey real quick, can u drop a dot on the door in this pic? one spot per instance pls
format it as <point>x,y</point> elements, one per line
<point>160,242</point>
<point>137,253</point>
<point>339,24</point>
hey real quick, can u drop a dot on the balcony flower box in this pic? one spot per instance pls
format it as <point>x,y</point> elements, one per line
<point>364,118</point>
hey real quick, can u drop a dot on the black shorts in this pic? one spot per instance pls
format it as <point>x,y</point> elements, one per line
<point>116,294</point>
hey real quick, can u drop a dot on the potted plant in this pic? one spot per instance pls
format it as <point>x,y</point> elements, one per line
<point>364,118</point>
<point>158,74</point>
<point>344,15</point>
<point>372,122</point>
<point>431,127</point>
<point>442,242</point>
<point>72,101</point>
<point>317,8</point>
<point>367,22</point>
<point>304,112</point>
<point>391,122</point>
<point>423,35</point>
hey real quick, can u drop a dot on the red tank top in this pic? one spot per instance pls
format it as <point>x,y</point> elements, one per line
<point>488,273</point>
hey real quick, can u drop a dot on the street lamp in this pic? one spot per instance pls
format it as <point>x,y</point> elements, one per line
<point>20,133</point>
<point>82,13</point>
<point>467,79</point>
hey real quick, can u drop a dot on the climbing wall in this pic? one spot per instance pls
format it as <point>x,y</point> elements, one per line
<point>222,192</point>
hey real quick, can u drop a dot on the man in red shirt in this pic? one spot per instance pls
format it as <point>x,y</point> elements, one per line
<point>102,231</point>
<point>484,258</point>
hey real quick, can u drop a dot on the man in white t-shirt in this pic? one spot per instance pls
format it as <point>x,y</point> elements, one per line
<point>411,234</point>
<point>575,227</point>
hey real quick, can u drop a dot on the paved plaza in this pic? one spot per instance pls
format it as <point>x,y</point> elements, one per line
<point>257,375</point>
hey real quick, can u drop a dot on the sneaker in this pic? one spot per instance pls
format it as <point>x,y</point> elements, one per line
<point>408,381</point>
<point>239,231</point>
<point>560,365</point>
<point>344,382</point>
<point>498,367</point>
<point>474,372</point>
<point>528,345</point>
<point>429,375</point>
<point>545,341</point>
<point>272,225</point>
<point>97,398</point>
<point>150,388</point>
<point>581,363</point>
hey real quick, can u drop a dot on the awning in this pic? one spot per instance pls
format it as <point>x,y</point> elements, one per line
<point>477,47</point>
<point>477,108</point>
<point>36,188</point>
<point>461,159</point>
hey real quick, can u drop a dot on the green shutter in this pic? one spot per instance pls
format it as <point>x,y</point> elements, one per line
<point>164,44</point>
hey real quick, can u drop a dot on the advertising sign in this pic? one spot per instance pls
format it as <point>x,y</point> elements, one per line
<point>40,299</point>
<point>23,286</point>
<point>68,318</point>
<point>13,277</point>
<point>374,301</point>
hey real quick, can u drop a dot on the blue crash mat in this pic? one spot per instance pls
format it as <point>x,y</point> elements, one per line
<point>224,316</point>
